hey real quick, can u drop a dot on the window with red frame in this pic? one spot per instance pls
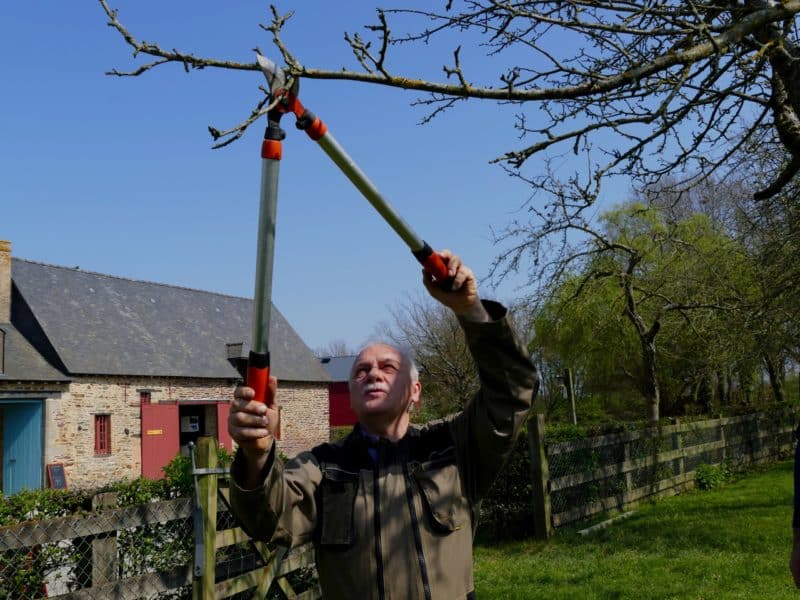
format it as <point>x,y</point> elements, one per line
<point>102,434</point>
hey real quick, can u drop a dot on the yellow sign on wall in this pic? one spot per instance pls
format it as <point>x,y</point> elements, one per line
<point>154,432</point>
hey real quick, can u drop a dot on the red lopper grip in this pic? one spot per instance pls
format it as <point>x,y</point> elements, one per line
<point>258,379</point>
<point>434,265</point>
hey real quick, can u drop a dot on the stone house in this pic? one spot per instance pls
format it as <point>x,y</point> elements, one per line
<point>112,377</point>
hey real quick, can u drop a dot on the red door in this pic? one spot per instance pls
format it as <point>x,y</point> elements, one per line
<point>223,410</point>
<point>159,438</point>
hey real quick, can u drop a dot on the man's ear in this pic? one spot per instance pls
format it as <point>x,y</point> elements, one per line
<point>416,396</point>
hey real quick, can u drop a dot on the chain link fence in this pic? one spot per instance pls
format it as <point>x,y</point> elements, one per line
<point>142,551</point>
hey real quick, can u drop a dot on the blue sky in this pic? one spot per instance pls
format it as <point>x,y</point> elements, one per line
<point>118,176</point>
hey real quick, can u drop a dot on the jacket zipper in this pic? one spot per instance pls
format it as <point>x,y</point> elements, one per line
<point>376,499</point>
<point>423,569</point>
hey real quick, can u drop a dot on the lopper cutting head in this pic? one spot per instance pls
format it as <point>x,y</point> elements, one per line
<point>276,78</point>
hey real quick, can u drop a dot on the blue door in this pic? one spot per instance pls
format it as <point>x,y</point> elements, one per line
<point>22,446</point>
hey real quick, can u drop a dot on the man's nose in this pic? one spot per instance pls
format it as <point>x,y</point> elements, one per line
<point>374,373</point>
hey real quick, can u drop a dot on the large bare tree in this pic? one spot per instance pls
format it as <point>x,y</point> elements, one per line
<point>652,87</point>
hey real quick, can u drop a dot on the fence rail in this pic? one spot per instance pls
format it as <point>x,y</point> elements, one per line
<point>109,521</point>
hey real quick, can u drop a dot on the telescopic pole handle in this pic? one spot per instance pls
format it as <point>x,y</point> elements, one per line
<point>258,379</point>
<point>257,375</point>
<point>434,263</point>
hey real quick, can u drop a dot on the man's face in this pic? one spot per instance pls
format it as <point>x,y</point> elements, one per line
<point>380,385</point>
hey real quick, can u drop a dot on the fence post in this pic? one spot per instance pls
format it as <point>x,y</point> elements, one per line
<point>626,457</point>
<point>677,444</point>
<point>540,475</point>
<point>758,445</point>
<point>104,547</point>
<point>203,586</point>
<point>724,450</point>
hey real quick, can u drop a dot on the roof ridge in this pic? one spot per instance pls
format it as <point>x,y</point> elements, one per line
<point>130,279</point>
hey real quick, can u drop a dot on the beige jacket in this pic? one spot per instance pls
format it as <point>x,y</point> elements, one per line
<point>396,520</point>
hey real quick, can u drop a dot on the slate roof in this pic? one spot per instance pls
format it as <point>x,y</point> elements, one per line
<point>338,367</point>
<point>101,324</point>
<point>22,362</point>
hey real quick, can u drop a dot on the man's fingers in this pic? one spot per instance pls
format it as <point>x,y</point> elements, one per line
<point>250,420</point>
<point>456,269</point>
<point>462,275</point>
<point>243,392</point>
<point>243,434</point>
<point>248,406</point>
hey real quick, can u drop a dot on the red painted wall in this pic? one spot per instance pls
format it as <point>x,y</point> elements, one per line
<point>340,413</point>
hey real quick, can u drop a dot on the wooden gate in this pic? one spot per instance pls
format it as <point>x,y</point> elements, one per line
<point>277,561</point>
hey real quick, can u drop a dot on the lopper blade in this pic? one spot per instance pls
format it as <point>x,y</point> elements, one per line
<point>276,77</point>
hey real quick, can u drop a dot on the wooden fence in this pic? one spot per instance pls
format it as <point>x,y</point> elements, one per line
<point>90,558</point>
<point>146,551</point>
<point>577,479</point>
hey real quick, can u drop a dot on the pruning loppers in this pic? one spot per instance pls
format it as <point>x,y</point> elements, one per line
<point>283,100</point>
<point>287,101</point>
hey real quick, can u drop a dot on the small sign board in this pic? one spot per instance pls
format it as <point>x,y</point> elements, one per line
<point>190,424</point>
<point>56,478</point>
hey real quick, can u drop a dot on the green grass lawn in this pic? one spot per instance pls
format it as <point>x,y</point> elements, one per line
<point>731,542</point>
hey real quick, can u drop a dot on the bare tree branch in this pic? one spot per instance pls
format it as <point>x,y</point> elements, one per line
<point>637,66</point>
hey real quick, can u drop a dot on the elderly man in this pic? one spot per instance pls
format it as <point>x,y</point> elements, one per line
<point>392,508</point>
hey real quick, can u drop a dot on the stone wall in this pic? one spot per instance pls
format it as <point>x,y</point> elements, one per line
<point>69,426</point>
<point>69,419</point>
<point>5,281</point>
<point>304,416</point>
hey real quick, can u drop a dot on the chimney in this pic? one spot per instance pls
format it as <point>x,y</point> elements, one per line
<point>5,281</point>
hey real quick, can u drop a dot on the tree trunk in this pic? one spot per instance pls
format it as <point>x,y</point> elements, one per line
<point>729,386</point>
<point>775,380</point>
<point>570,389</point>
<point>706,394</point>
<point>651,387</point>
<point>723,390</point>
<point>647,338</point>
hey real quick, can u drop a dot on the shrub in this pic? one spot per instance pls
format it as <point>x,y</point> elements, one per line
<point>708,477</point>
<point>563,432</point>
<point>506,510</point>
<point>30,505</point>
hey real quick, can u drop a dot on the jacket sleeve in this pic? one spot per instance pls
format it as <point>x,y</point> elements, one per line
<point>282,509</point>
<point>486,430</point>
